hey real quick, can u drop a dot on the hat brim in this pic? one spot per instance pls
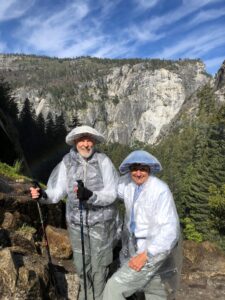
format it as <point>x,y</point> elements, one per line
<point>98,139</point>
<point>140,157</point>
<point>82,131</point>
<point>154,167</point>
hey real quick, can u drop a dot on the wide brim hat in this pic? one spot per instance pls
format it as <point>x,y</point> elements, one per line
<point>81,131</point>
<point>140,157</point>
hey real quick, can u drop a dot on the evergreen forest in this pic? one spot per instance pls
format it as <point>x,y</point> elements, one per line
<point>192,156</point>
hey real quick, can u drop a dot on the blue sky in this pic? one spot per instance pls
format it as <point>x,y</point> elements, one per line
<point>168,29</point>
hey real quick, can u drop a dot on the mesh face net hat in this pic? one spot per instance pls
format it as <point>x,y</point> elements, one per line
<point>140,157</point>
<point>81,131</point>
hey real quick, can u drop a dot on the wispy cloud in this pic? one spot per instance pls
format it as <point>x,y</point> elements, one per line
<point>13,9</point>
<point>2,47</point>
<point>150,28</point>
<point>195,44</point>
<point>207,15</point>
<point>145,36</point>
<point>107,7</point>
<point>145,4</point>
<point>73,31</point>
<point>214,62</point>
<point>80,47</point>
<point>54,32</point>
<point>115,50</point>
<point>205,44</point>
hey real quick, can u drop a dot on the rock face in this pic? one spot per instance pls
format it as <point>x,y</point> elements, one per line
<point>219,84</point>
<point>220,77</point>
<point>126,101</point>
<point>149,100</point>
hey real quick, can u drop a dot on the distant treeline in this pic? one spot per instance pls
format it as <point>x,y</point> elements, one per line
<point>97,59</point>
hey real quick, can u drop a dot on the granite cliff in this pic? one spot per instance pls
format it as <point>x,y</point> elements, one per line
<point>128,100</point>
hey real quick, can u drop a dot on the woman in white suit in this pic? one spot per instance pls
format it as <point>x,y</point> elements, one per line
<point>151,235</point>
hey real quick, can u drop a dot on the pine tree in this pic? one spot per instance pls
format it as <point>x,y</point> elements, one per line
<point>10,149</point>
<point>49,131</point>
<point>217,207</point>
<point>7,102</point>
<point>209,167</point>
<point>75,122</point>
<point>59,130</point>
<point>40,135</point>
<point>27,129</point>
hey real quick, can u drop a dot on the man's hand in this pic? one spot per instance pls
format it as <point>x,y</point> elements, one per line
<point>137,262</point>
<point>83,193</point>
<point>35,193</point>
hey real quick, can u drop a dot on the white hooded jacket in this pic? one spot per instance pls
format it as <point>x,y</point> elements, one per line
<point>157,224</point>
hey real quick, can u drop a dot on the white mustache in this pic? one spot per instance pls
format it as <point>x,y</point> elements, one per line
<point>86,148</point>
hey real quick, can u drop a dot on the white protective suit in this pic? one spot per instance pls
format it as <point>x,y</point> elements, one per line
<point>99,213</point>
<point>155,215</point>
<point>157,231</point>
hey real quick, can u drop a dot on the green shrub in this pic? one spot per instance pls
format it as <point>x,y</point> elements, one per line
<point>17,166</point>
<point>190,232</point>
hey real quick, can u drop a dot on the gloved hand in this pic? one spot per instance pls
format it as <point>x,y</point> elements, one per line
<point>83,193</point>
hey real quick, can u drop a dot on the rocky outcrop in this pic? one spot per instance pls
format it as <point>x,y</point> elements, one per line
<point>219,84</point>
<point>219,81</point>
<point>189,111</point>
<point>26,275</point>
<point>22,276</point>
<point>25,269</point>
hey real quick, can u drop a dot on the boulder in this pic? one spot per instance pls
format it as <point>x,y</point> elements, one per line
<point>11,220</point>
<point>59,242</point>
<point>22,278</point>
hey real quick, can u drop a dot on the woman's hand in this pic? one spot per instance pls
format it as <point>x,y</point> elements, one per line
<point>137,262</point>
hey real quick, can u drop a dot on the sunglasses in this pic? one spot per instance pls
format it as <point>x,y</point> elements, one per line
<point>141,168</point>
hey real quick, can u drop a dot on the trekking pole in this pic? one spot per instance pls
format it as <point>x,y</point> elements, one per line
<point>82,240</point>
<point>53,278</point>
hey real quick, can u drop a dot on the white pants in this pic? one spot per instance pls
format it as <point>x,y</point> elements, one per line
<point>127,281</point>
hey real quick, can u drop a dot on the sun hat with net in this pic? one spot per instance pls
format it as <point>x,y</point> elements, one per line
<point>140,157</point>
<point>81,131</point>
